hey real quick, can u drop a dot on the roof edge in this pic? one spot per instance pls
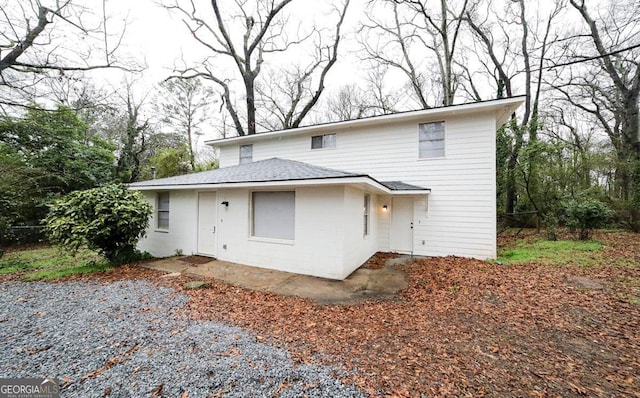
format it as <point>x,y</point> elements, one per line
<point>362,178</point>
<point>505,105</point>
<point>241,182</point>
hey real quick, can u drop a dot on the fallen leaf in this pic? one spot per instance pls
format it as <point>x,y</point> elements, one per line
<point>157,392</point>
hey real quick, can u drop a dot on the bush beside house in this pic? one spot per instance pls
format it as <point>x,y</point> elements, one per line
<point>109,219</point>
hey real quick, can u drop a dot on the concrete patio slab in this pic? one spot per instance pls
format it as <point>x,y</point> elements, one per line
<point>364,283</point>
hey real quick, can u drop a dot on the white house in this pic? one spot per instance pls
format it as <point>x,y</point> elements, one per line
<point>320,200</point>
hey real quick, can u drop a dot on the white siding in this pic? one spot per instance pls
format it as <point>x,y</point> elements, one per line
<point>383,220</point>
<point>461,212</point>
<point>317,248</point>
<point>182,233</point>
<point>328,231</point>
<point>357,247</point>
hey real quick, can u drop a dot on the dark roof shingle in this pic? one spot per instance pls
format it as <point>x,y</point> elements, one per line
<point>401,186</point>
<point>274,169</point>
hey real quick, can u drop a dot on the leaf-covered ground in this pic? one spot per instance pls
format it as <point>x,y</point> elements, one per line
<point>464,327</point>
<point>467,327</point>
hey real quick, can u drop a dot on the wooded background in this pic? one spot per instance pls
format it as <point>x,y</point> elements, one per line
<point>263,67</point>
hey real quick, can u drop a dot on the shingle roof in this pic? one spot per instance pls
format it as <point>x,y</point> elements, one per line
<point>274,169</point>
<point>401,186</point>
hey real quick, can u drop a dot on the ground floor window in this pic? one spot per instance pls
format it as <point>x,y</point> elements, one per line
<point>367,205</point>
<point>273,214</point>
<point>163,210</point>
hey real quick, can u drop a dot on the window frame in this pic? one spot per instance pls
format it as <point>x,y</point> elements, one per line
<point>444,141</point>
<point>160,209</point>
<point>252,219</point>
<point>366,224</point>
<point>247,159</point>
<point>324,140</point>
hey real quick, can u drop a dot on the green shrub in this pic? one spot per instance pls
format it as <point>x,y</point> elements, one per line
<point>584,213</point>
<point>130,256</point>
<point>551,222</point>
<point>110,219</point>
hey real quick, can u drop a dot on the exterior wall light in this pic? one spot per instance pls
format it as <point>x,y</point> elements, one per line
<point>225,203</point>
<point>385,208</point>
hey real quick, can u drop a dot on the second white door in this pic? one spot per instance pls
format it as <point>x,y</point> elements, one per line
<point>401,231</point>
<point>207,223</point>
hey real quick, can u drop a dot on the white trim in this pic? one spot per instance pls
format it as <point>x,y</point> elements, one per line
<point>503,108</point>
<point>410,193</point>
<point>375,186</point>
<point>323,149</point>
<point>419,159</point>
<point>272,240</point>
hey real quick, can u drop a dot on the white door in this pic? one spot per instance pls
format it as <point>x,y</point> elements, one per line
<point>401,234</point>
<point>207,225</point>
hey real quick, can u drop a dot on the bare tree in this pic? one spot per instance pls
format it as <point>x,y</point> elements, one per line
<point>289,95</point>
<point>516,48</point>
<point>353,102</point>
<point>382,100</point>
<point>33,46</point>
<point>579,135</point>
<point>264,30</point>
<point>348,103</point>
<point>93,105</point>
<point>184,105</point>
<point>131,132</point>
<point>604,82</point>
<point>414,33</point>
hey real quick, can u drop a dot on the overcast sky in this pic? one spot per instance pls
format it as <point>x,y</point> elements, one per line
<point>160,38</point>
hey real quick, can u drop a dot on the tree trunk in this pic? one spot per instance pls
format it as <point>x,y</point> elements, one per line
<point>192,156</point>
<point>632,134</point>
<point>249,82</point>
<point>635,190</point>
<point>511,188</point>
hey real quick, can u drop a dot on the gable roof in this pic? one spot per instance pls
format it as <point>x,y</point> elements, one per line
<point>270,171</point>
<point>502,109</point>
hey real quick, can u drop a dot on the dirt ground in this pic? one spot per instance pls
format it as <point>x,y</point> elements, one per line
<point>462,327</point>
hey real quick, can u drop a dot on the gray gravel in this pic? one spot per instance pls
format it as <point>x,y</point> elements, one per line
<point>124,339</point>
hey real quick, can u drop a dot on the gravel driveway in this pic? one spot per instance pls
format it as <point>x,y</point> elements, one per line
<point>122,339</point>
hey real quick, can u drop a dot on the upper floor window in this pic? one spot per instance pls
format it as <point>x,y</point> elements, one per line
<point>431,138</point>
<point>323,141</point>
<point>246,153</point>
<point>162,209</point>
